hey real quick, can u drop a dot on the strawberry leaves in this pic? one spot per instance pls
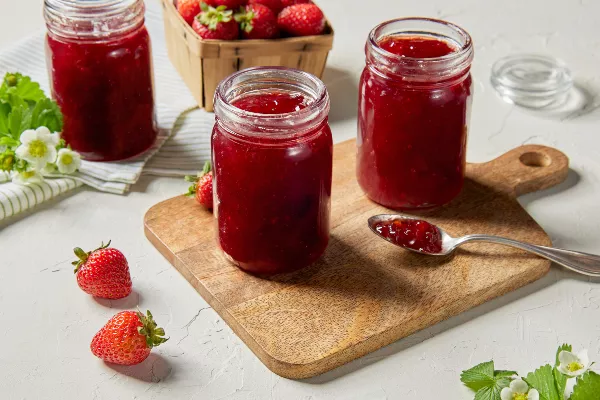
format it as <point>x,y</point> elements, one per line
<point>587,387</point>
<point>547,380</point>
<point>485,381</point>
<point>542,379</point>
<point>23,105</point>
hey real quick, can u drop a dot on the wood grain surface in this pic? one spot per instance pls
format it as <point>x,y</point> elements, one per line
<point>365,293</point>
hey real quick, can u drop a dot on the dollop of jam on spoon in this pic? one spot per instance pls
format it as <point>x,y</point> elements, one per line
<point>413,234</point>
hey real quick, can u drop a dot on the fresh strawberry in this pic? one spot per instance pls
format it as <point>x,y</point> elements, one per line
<point>216,23</point>
<point>103,272</point>
<point>188,9</point>
<point>202,188</point>
<point>127,338</point>
<point>287,3</point>
<point>302,20</point>
<point>275,5</point>
<point>257,22</point>
<point>229,4</point>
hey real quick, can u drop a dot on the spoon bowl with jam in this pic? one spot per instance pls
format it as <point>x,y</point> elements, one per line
<point>425,238</point>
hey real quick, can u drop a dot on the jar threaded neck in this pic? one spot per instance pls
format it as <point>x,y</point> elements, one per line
<point>97,20</point>
<point>274,126</point>
<point>420,70</point>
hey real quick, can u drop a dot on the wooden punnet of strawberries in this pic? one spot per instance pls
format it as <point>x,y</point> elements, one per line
<point>252,19</point>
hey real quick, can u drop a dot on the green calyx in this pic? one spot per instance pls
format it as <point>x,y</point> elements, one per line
<point>154,335</point>
<point>194,179</point>
<point>83,256</point>
<point>211,17</point>
<point>244,18</point>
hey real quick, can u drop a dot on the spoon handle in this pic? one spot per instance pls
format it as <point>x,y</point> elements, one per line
<point>584,263</point>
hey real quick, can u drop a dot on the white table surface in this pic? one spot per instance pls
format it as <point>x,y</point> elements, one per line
<point>47,322</point>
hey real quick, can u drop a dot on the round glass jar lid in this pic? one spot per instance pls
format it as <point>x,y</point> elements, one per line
<point>531,80</point>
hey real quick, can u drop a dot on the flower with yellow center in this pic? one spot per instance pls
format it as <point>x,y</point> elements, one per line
<point>573,364</point>
<point>38,147</point>
<point>25,177</point>
<point>68,161</point>
<point>519,390</point>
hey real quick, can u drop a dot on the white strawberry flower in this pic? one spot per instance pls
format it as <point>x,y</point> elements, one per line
<point>573,364</point>
<point>26,177</point>
<point>68,161</point>
<point>38,147</point>
<point>519,390</point>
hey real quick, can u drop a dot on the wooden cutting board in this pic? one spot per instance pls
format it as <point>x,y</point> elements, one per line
<point>365,293</point>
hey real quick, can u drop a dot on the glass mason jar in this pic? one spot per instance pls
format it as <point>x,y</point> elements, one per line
<point>99,60</point>
<point>414,108</point>
<point>272,156</point>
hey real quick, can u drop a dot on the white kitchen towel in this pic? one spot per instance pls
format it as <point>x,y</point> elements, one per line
<point>184,138</point>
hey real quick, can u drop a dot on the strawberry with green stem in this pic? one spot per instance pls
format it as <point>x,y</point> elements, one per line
<point>202,187</point>
<point>103,272</point>
<point>257,21</point>
<point>127,338</point>
<point>216,23</point>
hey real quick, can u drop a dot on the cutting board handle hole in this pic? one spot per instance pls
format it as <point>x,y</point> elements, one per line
<point>535,159</point>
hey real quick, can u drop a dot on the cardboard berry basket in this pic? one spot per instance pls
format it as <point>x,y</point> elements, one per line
<point>204,63</point>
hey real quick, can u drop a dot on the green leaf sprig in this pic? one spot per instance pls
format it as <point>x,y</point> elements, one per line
<point>25,107</point>
<point>545,383</point>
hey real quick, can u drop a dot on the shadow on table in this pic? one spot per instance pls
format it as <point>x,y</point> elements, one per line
<point>130,302</point>
<point>580,101</point>
<point>555,275</point>
<point>573,179</point>
<point>154,369</point>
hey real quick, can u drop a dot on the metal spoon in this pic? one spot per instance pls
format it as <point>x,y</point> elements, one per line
<point>587,264</point>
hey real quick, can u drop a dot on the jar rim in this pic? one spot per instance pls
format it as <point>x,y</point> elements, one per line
<point>455,54</point>
<point>275,125</point>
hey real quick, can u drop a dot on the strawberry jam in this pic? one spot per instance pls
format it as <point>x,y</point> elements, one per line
<point>102,80</point>
<point>414,106</point>
<point>272,157</point>
<point>411,233</point>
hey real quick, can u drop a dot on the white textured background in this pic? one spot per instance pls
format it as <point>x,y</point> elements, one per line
<point>47,322</point>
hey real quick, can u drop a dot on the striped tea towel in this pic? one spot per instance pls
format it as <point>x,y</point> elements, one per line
<point>184,136</point>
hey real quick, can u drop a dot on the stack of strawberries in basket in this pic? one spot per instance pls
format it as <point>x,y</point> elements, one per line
<point>252,19</point>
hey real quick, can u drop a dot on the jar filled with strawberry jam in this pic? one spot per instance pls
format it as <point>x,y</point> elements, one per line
<point>272,160</point>
<point>414,106</point>
<point>99,61</point>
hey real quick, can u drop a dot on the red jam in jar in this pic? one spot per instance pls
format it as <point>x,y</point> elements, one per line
<point>272,162</point>
<point>414,106</point>
<point>411,233</point>
<point>99,60</point>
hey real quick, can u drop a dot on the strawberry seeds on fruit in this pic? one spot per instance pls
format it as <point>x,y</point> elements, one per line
<point>275,5</point>
<point>257,21</point>
<point>127,338</point>
<point>103,272</point>
<point>202,188</point>
<point>188,9</point>
<point>287,3</point>
<point>302,20</point>
<point>228,4</point>
<point>216,23</point>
